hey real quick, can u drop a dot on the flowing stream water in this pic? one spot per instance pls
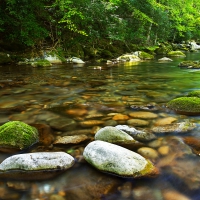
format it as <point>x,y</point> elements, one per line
<point>86,97</point>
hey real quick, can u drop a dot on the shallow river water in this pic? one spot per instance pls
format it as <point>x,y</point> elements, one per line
<point>74,100</point>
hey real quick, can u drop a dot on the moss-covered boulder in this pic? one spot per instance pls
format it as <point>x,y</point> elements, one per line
<point>36,63</point>
<point>176,54</point>
<point>41,63</point>
<point>16,135</point>
<point>145,56</point>
<point>163,49</point>
<point>185,105</point>
<point>195,93</point>
<point>190,64</point>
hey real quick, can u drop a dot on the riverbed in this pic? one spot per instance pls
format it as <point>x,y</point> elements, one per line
<point>80,99</point>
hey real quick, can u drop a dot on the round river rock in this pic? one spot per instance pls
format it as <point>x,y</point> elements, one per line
<point>117,160</point>
<point>35,166</point>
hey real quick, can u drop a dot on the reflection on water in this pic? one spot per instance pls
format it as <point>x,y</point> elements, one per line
<point>75,100</point>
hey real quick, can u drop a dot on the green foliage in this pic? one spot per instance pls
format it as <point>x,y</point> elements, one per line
<point>67,23</point>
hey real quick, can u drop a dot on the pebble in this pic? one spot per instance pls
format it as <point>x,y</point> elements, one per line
<point>91,123</point>
<point>137,122</point>
<point>163,150</point>
<point>143,115</point>
<point>164,121</point>
<point>76,139</point>
<point>148,153</point>
<point>120,117</point>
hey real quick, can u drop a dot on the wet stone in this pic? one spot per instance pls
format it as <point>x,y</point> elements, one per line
<point>117,160</point>
<point>148,153</point>
<point>136,134</point>
<point>164,121</point>
<point>76,139</point>
<point>63,124</point>
<point>137,122</point>
<point>143,115</point>
<point>35,166</point>
<point>182,127</point>
<point>45,133</point>
<point>112,135</point>
<point>120,117</point>
<point>91,123</point>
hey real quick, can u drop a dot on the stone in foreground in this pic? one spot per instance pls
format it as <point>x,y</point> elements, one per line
<point>16,135</point>
<point>117,160</point>
<point>35,166</point>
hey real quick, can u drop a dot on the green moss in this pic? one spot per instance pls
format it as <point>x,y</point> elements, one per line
<point>149,170</point>
<point>145,56</point>
<point>176,53</point>
<point>41,63</point>
<point>190,64</point>
<point>16,134</point>
<point>185,104</point>
<point>195,93</point>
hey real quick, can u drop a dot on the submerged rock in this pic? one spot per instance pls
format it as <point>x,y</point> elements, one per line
<point>182,127</point>
<point>75,139</point>
<point>136,134</point>
<point>185,105</point>
<point>16,135</point>
<point>112,135</point>
<point>190,64</point>
<point>176,54</point>
<point>117,160</point>
<point>35,166</point>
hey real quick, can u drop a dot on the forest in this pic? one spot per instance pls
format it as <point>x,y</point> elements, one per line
<point>79,26</point>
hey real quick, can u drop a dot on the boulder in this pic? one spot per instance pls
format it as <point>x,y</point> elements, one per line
<point>16,135</point>
<point>117,160</point>
<point>176,54</point>
<point>129,58</point>
<point>112,135</point>
<point>164,59</point>
<point>190,64</point>
<point>143,55</point>
<point>35,166</point>
<point>53,59</point>
<point>185,105</point>
<point>182,127</point>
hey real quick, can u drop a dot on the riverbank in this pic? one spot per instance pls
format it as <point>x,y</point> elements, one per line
<point>102,53</point>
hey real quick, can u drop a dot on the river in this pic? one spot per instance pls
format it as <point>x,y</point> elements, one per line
<point>85,98</point>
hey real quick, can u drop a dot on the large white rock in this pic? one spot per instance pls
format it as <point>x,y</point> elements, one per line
<point>38,161</point>
<point>112,135</point>
<point>117,160</point>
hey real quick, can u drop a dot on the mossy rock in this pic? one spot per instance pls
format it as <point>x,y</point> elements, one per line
<point>41,63</point>
<point>185,105</point>
<point>190,64</point>
<point>16,135</point>
<point>195,93</point>
<point>145,56</point>
<point>176,54</point>
<point>163,49</point>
